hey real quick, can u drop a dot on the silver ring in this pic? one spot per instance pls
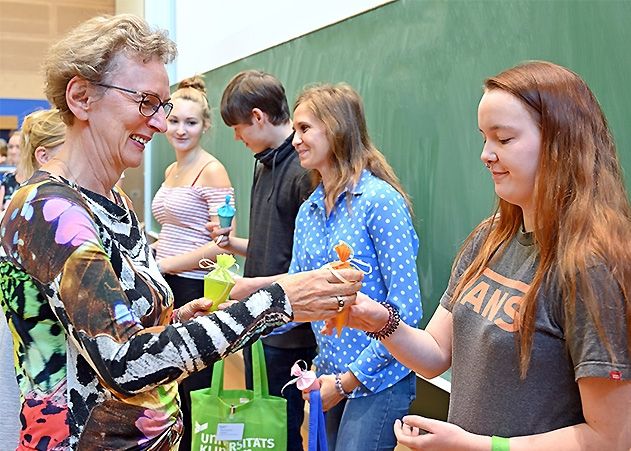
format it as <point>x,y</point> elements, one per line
<point>340,303</point>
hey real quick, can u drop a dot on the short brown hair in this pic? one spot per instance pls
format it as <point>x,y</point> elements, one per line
<point>254,89</point>
<point>89,51</point>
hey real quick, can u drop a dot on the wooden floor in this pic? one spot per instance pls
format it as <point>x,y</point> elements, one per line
<point>234,379</point>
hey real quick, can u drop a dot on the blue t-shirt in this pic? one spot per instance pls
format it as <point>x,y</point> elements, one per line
<point>378,226</point>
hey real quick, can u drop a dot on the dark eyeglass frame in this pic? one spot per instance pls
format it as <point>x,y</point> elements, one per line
<point>166,106</point>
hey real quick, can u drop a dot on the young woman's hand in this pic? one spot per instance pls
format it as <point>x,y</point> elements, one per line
<point>220,235</point>
<point>365,314</point>
<point>420,433</point>
<point>328,393</point>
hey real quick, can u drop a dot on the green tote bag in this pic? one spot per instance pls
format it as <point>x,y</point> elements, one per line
<point>239,420</point>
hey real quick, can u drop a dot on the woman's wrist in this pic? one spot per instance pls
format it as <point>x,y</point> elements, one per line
<point>346,383</point>
<point>339,387</point>
<point>382,318</point>
<point>164,265</point>
<point>389,326</point>
<point>279,298</point>
<point>500,443</point>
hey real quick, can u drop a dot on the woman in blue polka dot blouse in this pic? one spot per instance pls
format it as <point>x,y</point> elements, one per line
<point>360,201</point>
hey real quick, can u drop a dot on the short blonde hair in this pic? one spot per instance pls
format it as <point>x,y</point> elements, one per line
<point>40,129</point>
<point>194,89</point>
<point>89,51</point>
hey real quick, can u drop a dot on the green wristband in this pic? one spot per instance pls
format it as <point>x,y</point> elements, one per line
<point>499,444</point>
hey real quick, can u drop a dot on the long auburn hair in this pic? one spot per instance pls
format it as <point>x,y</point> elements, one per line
<point>341,110</point>
<point>582,212</point>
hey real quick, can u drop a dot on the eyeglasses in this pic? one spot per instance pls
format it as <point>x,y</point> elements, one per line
<point>148,105</point>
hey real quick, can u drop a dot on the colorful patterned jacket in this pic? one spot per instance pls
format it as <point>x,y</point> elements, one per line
<point>97,359</point>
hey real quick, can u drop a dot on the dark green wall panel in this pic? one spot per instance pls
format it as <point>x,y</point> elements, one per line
<point>419,66</point>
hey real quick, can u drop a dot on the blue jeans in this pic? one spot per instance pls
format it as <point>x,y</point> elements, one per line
<point>279,362</point>
<point>367,423</point>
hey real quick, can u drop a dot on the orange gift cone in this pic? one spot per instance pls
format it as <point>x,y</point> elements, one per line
<point>343,251</point>
<point>340,320</point>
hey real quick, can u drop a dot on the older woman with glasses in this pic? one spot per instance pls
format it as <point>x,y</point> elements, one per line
<point>148,105</point>
<point>99,347</point>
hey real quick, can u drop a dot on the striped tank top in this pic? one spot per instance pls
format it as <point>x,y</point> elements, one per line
<point>183,212</point>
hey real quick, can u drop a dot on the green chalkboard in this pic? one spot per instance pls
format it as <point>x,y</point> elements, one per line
<point>419,66</point>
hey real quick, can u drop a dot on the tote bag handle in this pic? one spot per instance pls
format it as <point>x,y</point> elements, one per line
<point>259,376</point>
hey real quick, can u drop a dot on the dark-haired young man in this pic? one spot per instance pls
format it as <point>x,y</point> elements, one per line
<point>255,106</point>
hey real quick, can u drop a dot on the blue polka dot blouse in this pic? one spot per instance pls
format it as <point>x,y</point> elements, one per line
<point>377,225</point>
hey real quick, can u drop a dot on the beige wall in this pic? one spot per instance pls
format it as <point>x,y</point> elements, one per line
<point>136,7</point>
<point>27,29</point>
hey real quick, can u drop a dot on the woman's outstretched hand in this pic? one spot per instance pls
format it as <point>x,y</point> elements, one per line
<point>365,314</point>
<point>420,433</point>
<point>321,294</point>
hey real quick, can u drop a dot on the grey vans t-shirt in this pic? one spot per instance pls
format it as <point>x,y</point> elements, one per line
<point>488,397</point>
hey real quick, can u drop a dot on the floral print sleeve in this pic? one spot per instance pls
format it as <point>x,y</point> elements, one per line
<point>103,365</point>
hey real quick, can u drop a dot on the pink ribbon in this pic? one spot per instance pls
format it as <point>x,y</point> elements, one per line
<point>304,379</point>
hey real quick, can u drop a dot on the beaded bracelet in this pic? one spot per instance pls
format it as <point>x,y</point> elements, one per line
<point>391,325</point>
<point>339,387</point>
